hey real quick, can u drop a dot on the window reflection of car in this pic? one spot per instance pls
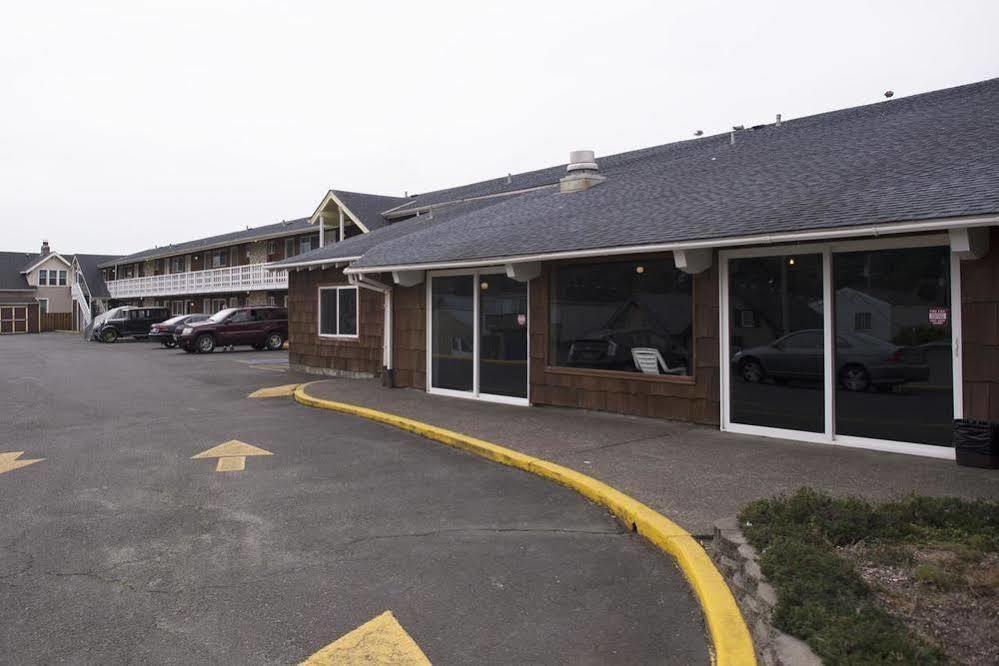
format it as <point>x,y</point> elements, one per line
<point>611,349</point>
<point>863,361</point>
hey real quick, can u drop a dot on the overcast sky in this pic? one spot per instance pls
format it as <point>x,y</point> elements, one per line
<point>144,123</point>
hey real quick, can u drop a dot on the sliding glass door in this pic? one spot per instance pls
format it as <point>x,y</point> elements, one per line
<point>777,342</point>
<point>849,342</point>
<point>478,336</point>
<point>894,356</point>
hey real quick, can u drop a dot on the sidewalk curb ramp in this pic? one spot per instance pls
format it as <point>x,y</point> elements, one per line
<point>730,640</point>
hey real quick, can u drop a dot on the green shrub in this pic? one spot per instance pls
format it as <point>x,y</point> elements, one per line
<point>821,597</point>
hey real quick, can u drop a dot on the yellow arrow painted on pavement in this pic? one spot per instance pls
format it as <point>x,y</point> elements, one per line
<point>9,461</point>
<point>232,455</point>
<point>378,641</point>
<point>274,391</point>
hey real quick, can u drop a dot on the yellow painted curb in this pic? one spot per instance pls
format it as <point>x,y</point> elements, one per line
<point>729,633</point>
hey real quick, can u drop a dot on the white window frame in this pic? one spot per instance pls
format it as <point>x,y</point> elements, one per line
<point>63,279</point>
<point>43,277</point>
<point>826,251</point>
<point>475,393</point>
<point>319,312</point>
<point>40,301</point>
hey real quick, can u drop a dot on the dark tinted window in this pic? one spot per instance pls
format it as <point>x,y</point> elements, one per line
<point>279,313</point>
<point>327,311</point>
<point>601,311</point>
<point>348,312</point>
<point>777,363</point>
<point>895,381</point>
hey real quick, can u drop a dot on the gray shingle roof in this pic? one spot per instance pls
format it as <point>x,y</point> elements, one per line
<point>291,227</point>
<point>356,246</point>
<point>89,264</point>
<point>927,156</point>
<point>11,265</point>
<point>17,298</point>
<point>368,207</point>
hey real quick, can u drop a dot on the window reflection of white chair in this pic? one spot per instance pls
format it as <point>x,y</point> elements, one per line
<point>650,361</point>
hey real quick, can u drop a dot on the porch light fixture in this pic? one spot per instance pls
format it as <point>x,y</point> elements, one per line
<point>790,262</point>
<point>639,269</point>
<point>483,285</point>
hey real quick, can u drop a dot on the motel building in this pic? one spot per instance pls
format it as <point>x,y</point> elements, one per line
<point>209,274</point>
<point>830,279</point>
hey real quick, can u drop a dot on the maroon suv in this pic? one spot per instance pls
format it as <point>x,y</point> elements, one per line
<point>259,327</point>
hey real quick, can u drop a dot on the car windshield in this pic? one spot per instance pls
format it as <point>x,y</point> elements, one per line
<point>221,315</point>
<point>117,313</point>
<point>174,320</point>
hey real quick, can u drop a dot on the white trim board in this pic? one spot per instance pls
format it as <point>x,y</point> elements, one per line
<point>331,195</point>
<point>43,259</point>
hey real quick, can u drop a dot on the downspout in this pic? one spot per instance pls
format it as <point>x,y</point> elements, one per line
<point>361,281</point>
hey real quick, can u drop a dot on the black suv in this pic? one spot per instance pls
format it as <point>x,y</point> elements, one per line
<point>128,322</point>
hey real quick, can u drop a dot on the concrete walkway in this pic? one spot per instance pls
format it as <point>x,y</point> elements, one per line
<point>692,474</point>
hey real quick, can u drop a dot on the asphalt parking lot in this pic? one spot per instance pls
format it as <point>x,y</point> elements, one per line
<point>120,547</point>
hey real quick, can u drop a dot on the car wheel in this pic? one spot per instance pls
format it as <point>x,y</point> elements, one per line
<point>855,378</point>
<point>274,341</point>
<point>169,344</point>
<point>109,335</point>
<point>205,344</point>
<point>751,371</point>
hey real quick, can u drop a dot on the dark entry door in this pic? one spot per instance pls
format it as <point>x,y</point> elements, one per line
<point>502,336</point>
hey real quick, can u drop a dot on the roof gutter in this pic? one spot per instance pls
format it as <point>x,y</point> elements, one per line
<point>884,229</point>
<point>316,262</point>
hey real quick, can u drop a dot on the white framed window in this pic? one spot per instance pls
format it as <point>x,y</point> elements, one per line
<point>308,243</point>
<point>220,258</point>
<point>43,305</point>
<point>337,312</point>
<point>43,278</point>
<point>62,278</point>
<point>178,264</point>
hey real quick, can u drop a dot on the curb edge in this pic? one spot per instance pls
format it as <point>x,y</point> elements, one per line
<point>729,634</point>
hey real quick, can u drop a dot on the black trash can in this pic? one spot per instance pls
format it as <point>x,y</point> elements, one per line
<point>976,443</point>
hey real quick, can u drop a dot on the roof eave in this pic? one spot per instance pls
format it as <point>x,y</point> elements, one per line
<point>829,233</point>
<point>315,262</point>
<point>45,258</point>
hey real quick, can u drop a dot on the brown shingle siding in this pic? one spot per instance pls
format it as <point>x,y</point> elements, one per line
<point>980,328</point>
<point>362,356</point>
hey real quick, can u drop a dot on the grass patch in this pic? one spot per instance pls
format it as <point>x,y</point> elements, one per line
<point>825,601</point>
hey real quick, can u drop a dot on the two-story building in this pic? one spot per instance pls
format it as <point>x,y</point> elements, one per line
<point>229,270</point>
<point>206,274</point>
<point>37,289</point>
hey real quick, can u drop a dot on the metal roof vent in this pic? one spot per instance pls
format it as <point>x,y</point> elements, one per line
<point>582,173</point>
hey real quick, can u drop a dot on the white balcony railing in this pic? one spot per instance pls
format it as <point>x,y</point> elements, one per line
<point>214,280</point>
